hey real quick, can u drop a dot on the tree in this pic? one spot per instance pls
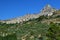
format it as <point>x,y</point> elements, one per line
<point>9,37</point>
<point>53,32</point>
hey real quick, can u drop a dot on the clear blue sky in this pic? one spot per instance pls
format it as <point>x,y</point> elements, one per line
<point>14,8</point>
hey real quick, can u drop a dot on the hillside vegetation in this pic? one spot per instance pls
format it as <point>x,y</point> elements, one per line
<point>42,28</point>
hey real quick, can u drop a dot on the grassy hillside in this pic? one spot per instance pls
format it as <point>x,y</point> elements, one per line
<point>25,30</point>
<point>42,28</point>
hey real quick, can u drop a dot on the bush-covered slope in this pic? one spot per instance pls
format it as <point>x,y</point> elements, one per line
<point>35,29</point>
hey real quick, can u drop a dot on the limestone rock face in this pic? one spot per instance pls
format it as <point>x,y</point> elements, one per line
<point>48,8</point>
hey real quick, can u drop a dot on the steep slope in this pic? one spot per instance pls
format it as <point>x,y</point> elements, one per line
<point>25,30</point>
<point>36,27</point>
<point>33,29</point>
